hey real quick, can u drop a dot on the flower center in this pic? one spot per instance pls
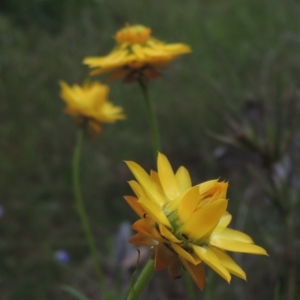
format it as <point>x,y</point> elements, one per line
<point>133,34</point>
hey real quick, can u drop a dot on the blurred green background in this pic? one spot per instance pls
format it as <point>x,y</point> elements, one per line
<point>244,51</point>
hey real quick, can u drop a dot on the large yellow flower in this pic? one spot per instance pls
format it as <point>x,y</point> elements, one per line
<point>186,225</point>
<point>137,55</point>
<point>89,105</point>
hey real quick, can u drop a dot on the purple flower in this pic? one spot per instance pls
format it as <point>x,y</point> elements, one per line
<point>62,256</point>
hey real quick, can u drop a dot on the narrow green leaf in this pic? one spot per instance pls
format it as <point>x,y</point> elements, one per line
<point>74,293</point>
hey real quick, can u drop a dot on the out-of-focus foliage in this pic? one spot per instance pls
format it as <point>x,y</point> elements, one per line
<point>52,15</point>
<point>244,51</point>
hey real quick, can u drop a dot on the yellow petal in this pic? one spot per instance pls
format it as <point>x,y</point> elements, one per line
<point>214,197</point>
<point>138,51</point>
<point>132,201</point>
<point>191,257</point>
<point>203,220</point>
<point>155,178</point>
<point>188,204</point>
<point>225,220</point>
<point>207,185</point>
<point>146,182</point>
<point>197,272</point>
<point>167,177</point>
<point>154,211</point>
<point>212,260</point>
<point>228,263</point>
<point>177,48</point>
<point>183,179</point>
<point>168,234</point>
<point>236,246</point>
<point>137,189</point>
<point>228,233</point>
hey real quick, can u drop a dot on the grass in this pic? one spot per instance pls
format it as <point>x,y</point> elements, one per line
<point>242,50</point>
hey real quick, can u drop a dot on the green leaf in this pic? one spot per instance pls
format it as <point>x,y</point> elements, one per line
<point>74,293</point>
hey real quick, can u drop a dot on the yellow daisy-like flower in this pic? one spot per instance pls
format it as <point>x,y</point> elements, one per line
<point>186,225</point>
<point>137,56</point>
<point>89,105</point>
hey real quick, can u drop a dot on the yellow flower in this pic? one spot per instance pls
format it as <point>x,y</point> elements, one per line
<point>137,56</point>
<point>186,225</point>
<point>89,105</point>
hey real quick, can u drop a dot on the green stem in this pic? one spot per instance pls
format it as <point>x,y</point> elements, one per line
<point>291,253</point>
<point>81,208</point>
<point>152,119</point>
<point>209,290</point>
<point>148,270</point>
<point>189,286</point>
<point>142,280</point>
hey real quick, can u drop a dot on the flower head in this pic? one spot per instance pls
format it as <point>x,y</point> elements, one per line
<point>89,106</point>
<point>186,225</point>
<point>137,55</point>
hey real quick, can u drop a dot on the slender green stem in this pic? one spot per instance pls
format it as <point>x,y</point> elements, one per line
<point>152,119</point>
<point>81,208</point>
<point>148,270</point>
<point>189,286</point>
<point>209,290</point>
<point>142,280</point>
<point>291,292</point>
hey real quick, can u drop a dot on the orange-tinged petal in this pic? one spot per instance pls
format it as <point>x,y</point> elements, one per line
<point>175,268</point>
<point>183,179</point>
<point>197,272</point>
<point>146,226</point>
<point>146,182</point>
<point>121,73</point>
<point>229,233</point>
<point>164,257</point>
<point>154,211</point>
<point>167,177</point>
<point>132,201</point>
<point>236,246</point>
<point>212,260</point>
<point>203,220</point>
<point>217,194</point>
<point>207,185</point>
<point>140,239</point>
<point>223,187</point>
<point>228,263</point>
<point>188,204</point>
